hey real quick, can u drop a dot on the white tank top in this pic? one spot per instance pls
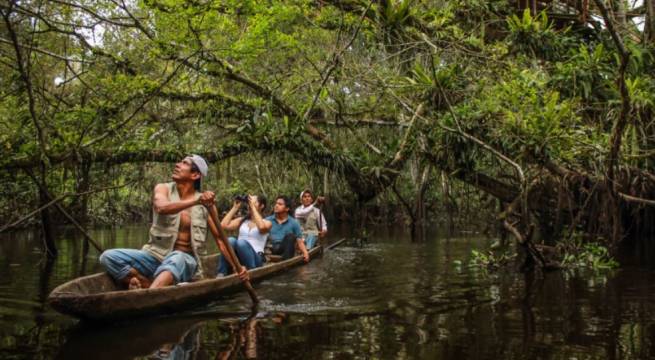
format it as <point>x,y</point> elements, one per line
<point>256,239</point>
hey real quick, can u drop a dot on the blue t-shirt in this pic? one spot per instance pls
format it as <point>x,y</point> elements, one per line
<point>278,231</point>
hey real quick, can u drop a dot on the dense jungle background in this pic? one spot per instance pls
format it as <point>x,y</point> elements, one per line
<point>528,118</point>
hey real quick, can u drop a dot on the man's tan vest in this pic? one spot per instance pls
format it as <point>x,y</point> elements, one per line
<point>309,224</point>
<point>164,230</point>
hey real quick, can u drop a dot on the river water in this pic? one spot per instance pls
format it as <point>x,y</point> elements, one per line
<point>387,298</point>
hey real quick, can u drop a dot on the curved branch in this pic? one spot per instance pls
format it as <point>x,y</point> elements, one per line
<point>622,121</point>
<point>25,76</point>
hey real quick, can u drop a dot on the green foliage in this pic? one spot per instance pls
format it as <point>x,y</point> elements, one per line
<point>527,117</point>
<point>641,59</point>
<point>394,15</point>
<point>436,81</point>
<point>592,256</point>
<point>490,261</point>
<point>182,76</point>
<point>642,94</point>
<point>586,73</point>
<point>534,36</point>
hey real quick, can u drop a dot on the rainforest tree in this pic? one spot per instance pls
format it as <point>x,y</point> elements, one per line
<point>546,108</point>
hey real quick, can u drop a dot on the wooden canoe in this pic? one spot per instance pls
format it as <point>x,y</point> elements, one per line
<point>98,298</point>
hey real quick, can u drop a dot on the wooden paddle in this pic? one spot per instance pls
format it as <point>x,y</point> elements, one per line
<point>320,220</point>
<point>335,244</point>
<point>230,253</point>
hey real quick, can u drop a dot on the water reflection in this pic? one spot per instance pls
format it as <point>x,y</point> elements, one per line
<point>244,339</point>
<point>158,339</point>
<point>388,297</point>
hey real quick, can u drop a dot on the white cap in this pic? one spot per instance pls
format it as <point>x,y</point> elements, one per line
<point>200,163</point>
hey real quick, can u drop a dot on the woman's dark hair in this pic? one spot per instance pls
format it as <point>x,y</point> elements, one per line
<point>261,199</point>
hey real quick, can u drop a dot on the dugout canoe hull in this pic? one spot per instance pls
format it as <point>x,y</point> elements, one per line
<point>98,298</point>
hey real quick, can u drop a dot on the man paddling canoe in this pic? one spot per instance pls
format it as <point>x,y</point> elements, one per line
<point>177,236</point>
<point>309,215</point>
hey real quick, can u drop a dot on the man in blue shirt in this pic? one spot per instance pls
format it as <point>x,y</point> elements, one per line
<point>285,233</point>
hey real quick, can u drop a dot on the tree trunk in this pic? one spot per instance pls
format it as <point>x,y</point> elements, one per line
<point>46,218</point>
<point>326,182</point>
<point>80,204</point>
<point>419,206</point>
<point>619,13</point>
<point>85,253</point>
<point>448,204</point>
<point>649,28</point>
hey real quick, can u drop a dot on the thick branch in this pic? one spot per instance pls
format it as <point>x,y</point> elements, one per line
<point>622,121</point>
<point>23,70</point>
<point>637,200</point>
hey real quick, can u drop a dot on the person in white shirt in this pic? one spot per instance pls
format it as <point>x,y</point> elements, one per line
<point>311,218</point>
<point>253,231</point>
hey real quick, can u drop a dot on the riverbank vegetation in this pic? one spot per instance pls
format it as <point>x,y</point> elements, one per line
<point>530,117</point>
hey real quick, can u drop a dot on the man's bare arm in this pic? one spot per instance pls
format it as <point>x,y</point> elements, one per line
<point>264,226</point>
<point>300,243</point>
<point>302,211</point>
<point>163,205</point>
<point>229,222</point>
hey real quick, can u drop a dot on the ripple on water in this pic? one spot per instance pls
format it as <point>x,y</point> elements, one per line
<point>391,298</point>
<point>327,306</point>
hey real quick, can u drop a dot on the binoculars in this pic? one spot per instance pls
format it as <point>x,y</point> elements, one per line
<point>242,198</point>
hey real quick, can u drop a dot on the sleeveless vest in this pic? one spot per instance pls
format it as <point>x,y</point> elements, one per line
<point>309,224</point>
<point>164,230</point>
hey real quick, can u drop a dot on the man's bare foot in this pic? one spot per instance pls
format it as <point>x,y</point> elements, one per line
<point>134,284</point>
<point>145,282</point>
<point>134,280</point>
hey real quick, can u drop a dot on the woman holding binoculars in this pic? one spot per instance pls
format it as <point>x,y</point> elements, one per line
<point>253,231</point>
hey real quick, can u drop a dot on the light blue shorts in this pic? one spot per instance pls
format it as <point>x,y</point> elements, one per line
<point>118,263</point>
<point>310,241</point>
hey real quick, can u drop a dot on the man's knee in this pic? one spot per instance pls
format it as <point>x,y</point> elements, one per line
<point>103,258</point>
<point>176,259</point>
<point>107,257</point>
<point>174,267</point>
<point>181,265</point>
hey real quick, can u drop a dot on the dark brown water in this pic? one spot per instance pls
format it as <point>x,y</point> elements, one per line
<point>390,298</point>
